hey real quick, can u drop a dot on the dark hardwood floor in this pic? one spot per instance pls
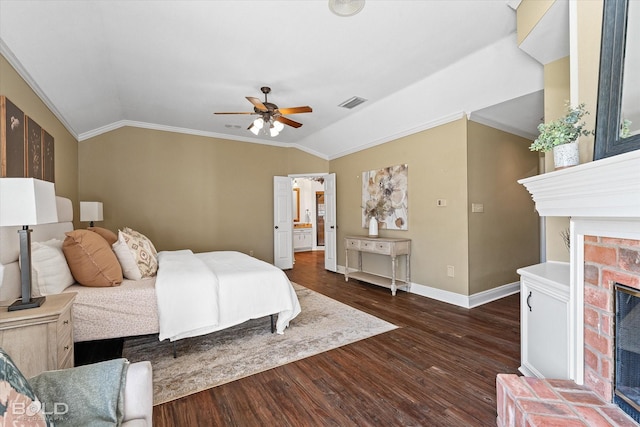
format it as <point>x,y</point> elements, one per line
<point>437,369</point>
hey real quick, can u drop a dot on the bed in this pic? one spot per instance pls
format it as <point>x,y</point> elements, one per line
<point>176,303</point>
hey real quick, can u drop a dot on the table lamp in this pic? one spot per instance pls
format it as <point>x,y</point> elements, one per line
<point>24,202</point>
<point>91,211</point>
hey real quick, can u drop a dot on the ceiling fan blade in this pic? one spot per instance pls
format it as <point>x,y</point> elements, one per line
<point>244,112</point>
<point>295,110</point>
<point>257,103</point>
<point>289,122</point>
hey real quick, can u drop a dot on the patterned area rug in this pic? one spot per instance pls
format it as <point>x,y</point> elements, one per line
<point>246,349</point>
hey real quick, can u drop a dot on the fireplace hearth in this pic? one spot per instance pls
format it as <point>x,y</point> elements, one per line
<point>627,350</point>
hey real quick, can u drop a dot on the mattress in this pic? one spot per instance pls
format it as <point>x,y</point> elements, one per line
<point>120,311</point>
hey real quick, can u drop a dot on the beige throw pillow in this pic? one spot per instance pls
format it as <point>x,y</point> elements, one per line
<point>50,273</point>
<point>136,254</point>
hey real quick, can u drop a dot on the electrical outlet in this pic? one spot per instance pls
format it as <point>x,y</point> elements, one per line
<point>250,253</point>
<point>441,202</point>
<point>450,271</point>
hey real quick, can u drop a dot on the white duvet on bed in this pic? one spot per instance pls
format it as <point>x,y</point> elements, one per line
<point>205,292</point>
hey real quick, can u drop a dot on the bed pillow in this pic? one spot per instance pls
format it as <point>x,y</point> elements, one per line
<point>91,259</point>
<point>136,254</point>
<point>18,403</point>
<point>50,273</point>
<point>108,235</point>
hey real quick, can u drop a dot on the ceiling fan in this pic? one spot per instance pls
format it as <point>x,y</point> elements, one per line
<point>271,117</point>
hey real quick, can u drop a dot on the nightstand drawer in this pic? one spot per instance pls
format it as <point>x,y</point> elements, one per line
<point>65,349</point>
<point>64,324</point>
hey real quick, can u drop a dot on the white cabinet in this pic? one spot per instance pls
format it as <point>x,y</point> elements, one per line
<point>544,320</point>
<point>302,239</point>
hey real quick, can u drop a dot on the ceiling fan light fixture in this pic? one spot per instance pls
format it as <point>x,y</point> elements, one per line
<point>254,129</point>
<point>346,7</point>
<point>279,126</point>
<point>258,123</point>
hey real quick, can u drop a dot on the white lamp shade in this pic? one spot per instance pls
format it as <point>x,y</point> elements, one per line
<point>91,211</point>
<point>27,201</point>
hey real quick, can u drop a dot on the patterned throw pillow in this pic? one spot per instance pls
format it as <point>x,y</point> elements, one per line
<point>19,405</point>
<point>136,254</point>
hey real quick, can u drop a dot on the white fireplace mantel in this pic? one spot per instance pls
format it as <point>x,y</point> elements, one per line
<point>604,188</point>
<point>602,198</point>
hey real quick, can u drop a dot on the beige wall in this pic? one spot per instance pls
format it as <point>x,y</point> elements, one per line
<point>528,15</point>
<point>556,94</point>
<point>461,162</point>
<point>65,145</point>
<point>574,79</point>
<point>437,170</point>
<point>589,33</point>
<point>505,236</point>
<point>186,191</point>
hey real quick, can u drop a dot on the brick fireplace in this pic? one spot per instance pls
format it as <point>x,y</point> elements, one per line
<point>602,198</point>
<point>607,261</point>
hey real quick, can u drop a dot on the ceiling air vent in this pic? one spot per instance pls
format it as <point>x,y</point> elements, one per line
<point>352,102</point>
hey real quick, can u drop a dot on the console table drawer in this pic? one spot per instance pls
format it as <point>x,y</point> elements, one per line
<point>383,248</point>
<point>353,244</point>
<point>367,246</point>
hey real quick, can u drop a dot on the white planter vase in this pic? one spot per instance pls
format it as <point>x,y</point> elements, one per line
<point>373,227</point>
<point>566,155</point>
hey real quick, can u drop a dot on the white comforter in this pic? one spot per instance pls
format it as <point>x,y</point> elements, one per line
<point>201,293</point>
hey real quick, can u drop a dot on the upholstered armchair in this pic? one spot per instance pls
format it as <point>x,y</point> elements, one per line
<point>109,393</point>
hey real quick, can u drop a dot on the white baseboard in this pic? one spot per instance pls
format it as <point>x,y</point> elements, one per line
<point>464,301</point>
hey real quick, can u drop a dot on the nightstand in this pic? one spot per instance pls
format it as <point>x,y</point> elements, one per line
<point>40,339</point>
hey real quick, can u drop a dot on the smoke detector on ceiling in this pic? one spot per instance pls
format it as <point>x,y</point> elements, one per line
<point>346,7</point>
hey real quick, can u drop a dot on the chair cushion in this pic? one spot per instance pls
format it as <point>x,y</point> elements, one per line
<point>18,402</point>
<point>89,395</point>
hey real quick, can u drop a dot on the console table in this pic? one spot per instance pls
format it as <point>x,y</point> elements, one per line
<point>382,246</point>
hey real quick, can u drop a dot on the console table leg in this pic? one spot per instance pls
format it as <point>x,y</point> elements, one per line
<point>346,265</point>
<point>394,262</point>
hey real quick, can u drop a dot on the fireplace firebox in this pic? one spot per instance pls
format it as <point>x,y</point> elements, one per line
<point>627,350</point>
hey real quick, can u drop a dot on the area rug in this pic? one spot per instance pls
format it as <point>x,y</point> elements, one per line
<point>246,349</point>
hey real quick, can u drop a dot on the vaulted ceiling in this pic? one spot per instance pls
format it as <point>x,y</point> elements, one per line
<point>170,65</point>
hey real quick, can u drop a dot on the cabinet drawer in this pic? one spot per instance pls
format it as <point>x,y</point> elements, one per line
<point>65,349</point>
<point>64,324</point>
<point>383,248</point>
<point>353,244</point>
<point>367,246</point>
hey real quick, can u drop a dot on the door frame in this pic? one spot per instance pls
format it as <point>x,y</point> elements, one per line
<point>333,242</point>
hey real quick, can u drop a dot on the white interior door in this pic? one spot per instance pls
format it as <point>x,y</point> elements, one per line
<point>330,226</point>
<point>282,222</point>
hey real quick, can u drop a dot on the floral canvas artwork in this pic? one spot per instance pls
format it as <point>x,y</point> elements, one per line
<point>385,197</point>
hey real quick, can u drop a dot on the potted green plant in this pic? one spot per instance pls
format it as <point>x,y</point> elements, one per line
<point>561,136</point>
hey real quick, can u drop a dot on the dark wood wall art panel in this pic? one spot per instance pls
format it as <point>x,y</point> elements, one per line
<point>26,150</point>
<point>12,137</point>
<point>48,169</point>
<point>34,149</point>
